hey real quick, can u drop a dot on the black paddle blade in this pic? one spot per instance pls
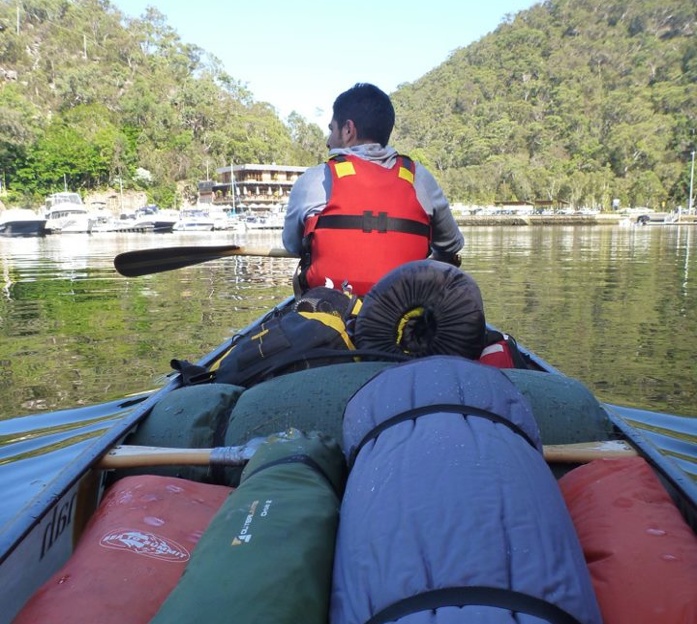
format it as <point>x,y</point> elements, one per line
<point>149,261</point>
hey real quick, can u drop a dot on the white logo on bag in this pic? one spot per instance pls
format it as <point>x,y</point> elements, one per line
<point>244,535</point>
<point>241,539</point>
<point>146,544</point>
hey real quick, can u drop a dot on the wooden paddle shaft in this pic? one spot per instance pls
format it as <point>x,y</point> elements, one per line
<point>134,456</point>
<point>131,456</point>
<point>139,456</point>
<point>584,452</point>
<point>264,252</point>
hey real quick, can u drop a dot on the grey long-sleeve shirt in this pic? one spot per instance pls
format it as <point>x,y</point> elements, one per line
<point>311,191</point>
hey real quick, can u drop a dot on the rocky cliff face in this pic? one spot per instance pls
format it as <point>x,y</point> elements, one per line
<point>116,202</point>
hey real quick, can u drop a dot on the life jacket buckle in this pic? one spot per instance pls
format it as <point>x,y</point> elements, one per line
<point>374,222</point>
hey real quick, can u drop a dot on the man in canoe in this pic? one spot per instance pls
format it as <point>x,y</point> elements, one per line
<point>368,209</point>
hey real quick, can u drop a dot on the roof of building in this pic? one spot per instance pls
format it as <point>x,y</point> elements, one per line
<point>259,167</point>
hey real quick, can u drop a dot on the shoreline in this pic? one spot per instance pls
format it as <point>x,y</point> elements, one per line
<point>533,220</point>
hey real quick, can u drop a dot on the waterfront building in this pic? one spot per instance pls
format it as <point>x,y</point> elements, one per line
<point>257,187</point>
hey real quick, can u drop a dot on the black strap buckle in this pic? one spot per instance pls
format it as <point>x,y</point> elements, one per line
<point>374,222</point>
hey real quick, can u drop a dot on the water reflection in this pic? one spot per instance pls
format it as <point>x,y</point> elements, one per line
<point>686,264</point>
<point>74,332</point>
<point>614,307</point>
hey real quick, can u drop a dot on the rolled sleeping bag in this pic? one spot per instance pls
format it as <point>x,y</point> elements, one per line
<point>267,554</point>
<point>641,553</point>
<point>450,512</point>
<point>423,308</point>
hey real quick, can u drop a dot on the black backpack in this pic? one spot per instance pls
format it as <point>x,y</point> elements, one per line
<point>284,344</point>
<point>313,333</point>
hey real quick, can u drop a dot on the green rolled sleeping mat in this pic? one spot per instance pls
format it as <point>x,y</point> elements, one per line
<point>565,410</point>
<point>210,415</point>
<point>213,414</point>
<point>268,553</point>
<point>309,400</point>
<point>189,417</point>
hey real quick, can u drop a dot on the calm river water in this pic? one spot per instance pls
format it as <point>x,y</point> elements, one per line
<point>614,307</point>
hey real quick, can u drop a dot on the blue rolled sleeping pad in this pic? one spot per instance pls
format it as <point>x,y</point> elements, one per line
<point>450,512</point>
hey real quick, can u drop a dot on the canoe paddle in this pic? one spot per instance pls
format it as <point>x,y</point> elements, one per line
<point>134,456</point>
<point>139,456</point>
<point>583,452</point>
<point>149,261</point>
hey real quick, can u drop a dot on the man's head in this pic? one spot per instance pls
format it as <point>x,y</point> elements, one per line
<point>363,114</point>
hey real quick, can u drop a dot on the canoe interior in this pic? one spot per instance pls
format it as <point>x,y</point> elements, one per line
<point>42,536</point>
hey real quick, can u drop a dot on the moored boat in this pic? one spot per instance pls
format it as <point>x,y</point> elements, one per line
<point>21,222</point>
<point>666,218</point>
<point>152,219</point>
<point>226,220</point>
<point>438,393</point>
<point>265,221</point>
<point>66,214</point>
<point>194,220</point>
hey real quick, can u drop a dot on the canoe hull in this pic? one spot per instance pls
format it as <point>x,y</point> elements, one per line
<point>45,533</point>
<point>48,545</point>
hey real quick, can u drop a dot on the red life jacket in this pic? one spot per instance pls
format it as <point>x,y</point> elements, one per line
<point>372,224</point>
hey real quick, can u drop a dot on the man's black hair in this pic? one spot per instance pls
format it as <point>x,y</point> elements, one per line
<point>369,108</point>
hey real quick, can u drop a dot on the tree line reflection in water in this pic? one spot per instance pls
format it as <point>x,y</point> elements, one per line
<point>614,307</point>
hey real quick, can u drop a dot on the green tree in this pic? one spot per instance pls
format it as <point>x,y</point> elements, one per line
<point>582,99</point>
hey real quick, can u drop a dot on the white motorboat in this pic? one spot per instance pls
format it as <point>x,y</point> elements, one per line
<point>271,218</point>
<point>65,213</point>
<point>151,219</point>
<point>224,220</point>
<point>265,221</point>
<point>162,221</point>
<point>194,220</point>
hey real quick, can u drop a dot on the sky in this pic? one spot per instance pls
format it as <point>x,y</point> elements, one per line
<point>299,55</point>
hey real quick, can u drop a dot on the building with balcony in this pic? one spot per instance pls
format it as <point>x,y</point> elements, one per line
<point>257,187</point>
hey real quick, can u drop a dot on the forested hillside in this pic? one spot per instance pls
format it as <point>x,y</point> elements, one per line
<point>581,101</point>
<point>103,100</point>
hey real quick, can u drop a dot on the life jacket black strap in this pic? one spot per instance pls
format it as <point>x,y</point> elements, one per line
<point>417,412</point>
<point>480,596</point>
<point>369,222</point>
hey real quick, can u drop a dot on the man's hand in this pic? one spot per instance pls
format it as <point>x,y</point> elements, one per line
<point>452,258</point>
